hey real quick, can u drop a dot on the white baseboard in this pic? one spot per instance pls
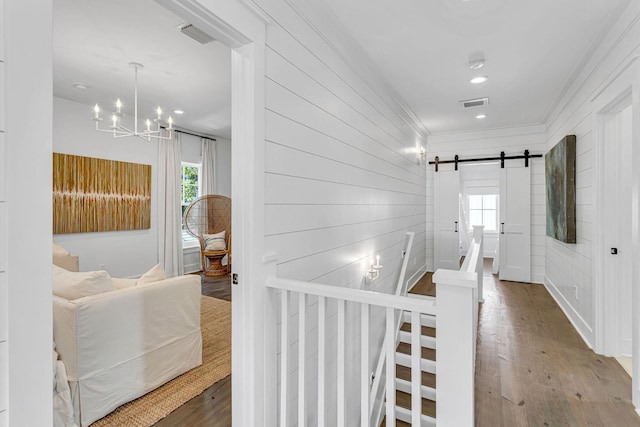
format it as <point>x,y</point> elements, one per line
<point>579,324</point>
<point>538,278</point>
<point>416,277</point>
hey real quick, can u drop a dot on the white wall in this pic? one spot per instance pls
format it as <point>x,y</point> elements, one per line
<point>570,266</point>
<point>340,182</point>
<point>4,306</point>
<point>25,162</point>
<point>513,141</point>
<point>124,253</point>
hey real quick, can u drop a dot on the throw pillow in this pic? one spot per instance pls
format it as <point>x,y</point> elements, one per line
<point>215,242</point>
<point>74,285</point>
<point>59,250</point>
<point>155,274</point>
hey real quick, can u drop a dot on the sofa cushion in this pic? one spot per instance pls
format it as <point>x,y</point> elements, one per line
<point>73,285</point>
<point>155,274</point>
<point>124,283</point>
<point>215,242</point>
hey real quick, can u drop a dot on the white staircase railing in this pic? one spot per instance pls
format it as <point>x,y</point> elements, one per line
<point>455,319</point>
<point>457,296</point>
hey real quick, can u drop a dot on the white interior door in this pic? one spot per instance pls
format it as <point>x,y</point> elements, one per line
<point>446,218</point>
<point>617,226</point>
<point>515,222</point>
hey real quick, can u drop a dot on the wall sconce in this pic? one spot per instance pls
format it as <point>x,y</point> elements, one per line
<point>374,270</point>
<point>422,155</point>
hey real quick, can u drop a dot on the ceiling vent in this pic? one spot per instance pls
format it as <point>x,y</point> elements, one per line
<point>471,103</point>
<point>195,33</point>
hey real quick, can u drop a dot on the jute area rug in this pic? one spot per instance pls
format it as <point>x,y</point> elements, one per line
<point>216,364</point>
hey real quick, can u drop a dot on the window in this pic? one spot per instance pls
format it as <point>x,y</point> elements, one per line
<point>483,210</point>
<point>189,190</point>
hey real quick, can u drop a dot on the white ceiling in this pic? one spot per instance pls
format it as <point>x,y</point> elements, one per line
<point>532,49</point>
<point>94,41</point>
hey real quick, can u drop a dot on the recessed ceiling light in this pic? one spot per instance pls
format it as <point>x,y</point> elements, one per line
<point>81,86</point>
<point>178,112</point>
<point>481,116</point>
<point>479,79</point>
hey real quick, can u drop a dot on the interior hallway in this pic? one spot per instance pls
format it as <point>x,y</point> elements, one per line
<point>532,368</point>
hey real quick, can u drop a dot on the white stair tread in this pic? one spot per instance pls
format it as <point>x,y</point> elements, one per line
<point>425,364</point>
<point>425,392</point>
<point>425,341</point>
<point>425,319</point>
<point>403,414</point>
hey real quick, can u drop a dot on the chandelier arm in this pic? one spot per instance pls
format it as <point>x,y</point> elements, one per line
<point>120,131</point>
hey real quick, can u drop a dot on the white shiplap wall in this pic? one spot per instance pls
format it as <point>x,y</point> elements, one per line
<point>513,141</point>
<point>341,179</point>
<point>4,307</point>
<point>570,266</point>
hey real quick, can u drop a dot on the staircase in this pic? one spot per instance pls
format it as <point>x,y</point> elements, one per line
<point>427,365</point>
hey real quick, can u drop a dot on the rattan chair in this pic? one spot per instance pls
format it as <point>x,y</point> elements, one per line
<point>211,214</point>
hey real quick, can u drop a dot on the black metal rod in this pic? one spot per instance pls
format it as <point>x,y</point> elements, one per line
<point>485,159</point>
<point>194,134</point>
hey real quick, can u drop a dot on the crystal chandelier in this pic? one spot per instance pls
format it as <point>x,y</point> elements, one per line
<point>120,131</point>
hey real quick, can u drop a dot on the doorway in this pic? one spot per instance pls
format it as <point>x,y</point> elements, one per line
<point>616,297</point>
<point>616,222</point>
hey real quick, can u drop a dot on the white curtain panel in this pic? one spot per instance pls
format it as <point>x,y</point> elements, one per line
<point>169,206</point>
<point>208,183</point>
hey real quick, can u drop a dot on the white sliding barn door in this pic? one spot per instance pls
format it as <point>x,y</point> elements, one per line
<point>446,218</point>
<point>515,222</point>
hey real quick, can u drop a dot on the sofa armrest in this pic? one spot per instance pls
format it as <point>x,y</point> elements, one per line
<point>96,333</point>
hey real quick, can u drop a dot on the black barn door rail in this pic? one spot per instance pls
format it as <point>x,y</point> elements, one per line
<point>526,156</point>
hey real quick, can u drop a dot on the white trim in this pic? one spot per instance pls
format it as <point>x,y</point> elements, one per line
<point>574,317</point>
<point>238,26</point>
<point>608,100</point>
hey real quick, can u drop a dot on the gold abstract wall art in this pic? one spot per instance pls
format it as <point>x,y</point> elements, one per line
<point>92,194</point>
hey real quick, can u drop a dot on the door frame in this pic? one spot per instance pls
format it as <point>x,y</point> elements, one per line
<point>623,90</point>
<point>241,26</point>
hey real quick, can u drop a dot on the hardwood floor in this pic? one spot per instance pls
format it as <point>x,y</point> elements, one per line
<point>532,368</point>
<point>212,408</point>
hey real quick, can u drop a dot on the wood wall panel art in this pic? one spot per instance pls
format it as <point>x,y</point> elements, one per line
<point>92,194</point>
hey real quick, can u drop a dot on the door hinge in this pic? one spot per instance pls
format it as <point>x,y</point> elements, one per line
<point>234,278</point>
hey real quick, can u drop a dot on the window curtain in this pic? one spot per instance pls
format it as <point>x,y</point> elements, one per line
<point>169,205</point>
<point>208,180</point>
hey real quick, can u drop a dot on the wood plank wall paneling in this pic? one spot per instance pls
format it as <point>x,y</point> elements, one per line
<point>569,266</point>
<point>490,144</point>
<point>341,182</point>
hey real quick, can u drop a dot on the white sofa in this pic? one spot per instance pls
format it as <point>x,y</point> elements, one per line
<point>117,346</point>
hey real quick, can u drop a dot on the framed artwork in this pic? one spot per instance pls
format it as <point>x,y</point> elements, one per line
<point>92,194</point>
<point>560,175</point>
